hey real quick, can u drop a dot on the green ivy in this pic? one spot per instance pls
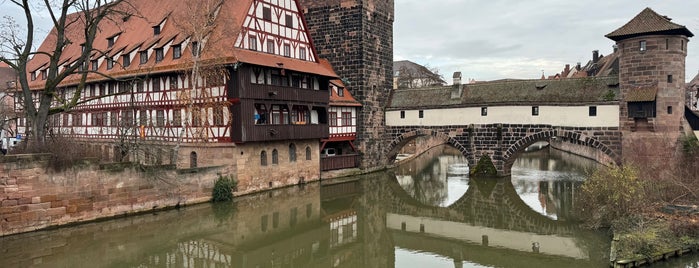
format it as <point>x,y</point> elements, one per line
<point>223,189</point>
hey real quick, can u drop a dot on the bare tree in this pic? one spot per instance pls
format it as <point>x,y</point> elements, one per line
<point>17,45</point>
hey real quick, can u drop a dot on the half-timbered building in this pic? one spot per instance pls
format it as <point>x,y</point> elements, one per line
<point>244,88</point>
<point>338,150</point>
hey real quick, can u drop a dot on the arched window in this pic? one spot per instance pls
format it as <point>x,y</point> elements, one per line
<point>308,153</point>
<point>275,157</point>
<point>193,160</point>
<point>263,158</point>
<point>292,152</point>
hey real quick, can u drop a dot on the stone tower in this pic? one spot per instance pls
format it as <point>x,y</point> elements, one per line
<point>356,36</point>
<point>651,79</point>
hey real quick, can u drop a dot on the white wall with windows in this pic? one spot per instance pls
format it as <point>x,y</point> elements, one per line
<point>570,116</point>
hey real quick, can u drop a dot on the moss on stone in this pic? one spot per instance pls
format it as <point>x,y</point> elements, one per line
<point>484,168</point>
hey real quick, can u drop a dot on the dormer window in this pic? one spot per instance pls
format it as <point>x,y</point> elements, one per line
<point>44,74</point>
<point>110,63</point>
<point>144,57</point>
<point>126,60</point>
<point>642,46</point>
<point>110,42</point>
<point>33,76</point>
<point>176,51</point>
<point>340,92</point>
<point>159,54</point>
<point>93,64</point>
<point>195,48</point>
<point>156,30</point>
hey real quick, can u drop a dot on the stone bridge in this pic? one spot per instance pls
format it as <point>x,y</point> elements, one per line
<point>503,142</point>
<point>500,119</point>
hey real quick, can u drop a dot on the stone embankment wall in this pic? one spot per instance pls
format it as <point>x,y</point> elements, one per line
<point>34,197</point>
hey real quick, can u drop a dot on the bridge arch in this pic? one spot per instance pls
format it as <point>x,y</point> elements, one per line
<point>399,142</point>
<point>572,137</point>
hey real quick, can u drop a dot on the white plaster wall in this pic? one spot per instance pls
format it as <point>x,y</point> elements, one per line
<point>520,241</point>
<point>568,116</point>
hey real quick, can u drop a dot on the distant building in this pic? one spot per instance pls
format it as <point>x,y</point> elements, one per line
<point>598,66</point>
<point>693,93</point>
<point>8,85</point>
<point>407,74</point>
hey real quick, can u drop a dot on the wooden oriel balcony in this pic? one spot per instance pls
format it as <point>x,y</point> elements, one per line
<point>339,162</point>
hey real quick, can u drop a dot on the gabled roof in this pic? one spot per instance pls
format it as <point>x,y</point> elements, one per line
<point>416,68</point>
<point>694,82</point>
<point>566,91</point>
<point>346,99</point>
<point>648,22</point>
<point>135,33</point>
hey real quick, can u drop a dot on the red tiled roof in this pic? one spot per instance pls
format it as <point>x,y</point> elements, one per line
<point>648,22</point>
<point>346,99</point>
<point>135,30</point>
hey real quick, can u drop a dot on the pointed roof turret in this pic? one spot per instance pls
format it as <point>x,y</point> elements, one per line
<point>648,22</point>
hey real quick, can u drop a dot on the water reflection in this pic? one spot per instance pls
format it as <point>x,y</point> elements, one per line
<point>373,221</point>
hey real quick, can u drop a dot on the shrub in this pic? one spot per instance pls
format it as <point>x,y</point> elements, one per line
<point>223,189</point>
<point>610,194</point>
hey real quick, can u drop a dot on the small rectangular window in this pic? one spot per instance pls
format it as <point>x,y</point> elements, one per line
<point>535,110</point>
<point>289,20</point>
<point>267,13</point>
<point>173,82</point>
<point>484,111</point>
<point>195,48</point>
<point>159,54</point>
<point>402,114</point>
<point>156,84</point>
<point>270,46</point>
<point>110,42</point>
<point>160,118</point>
<point>252,42</point>
<point>176,51</point>
<point>667,43</point>
<point>421,114</point>
<point>592,111</point>
<point>642,46</point>
<point>144,57</point>
<point>110,63</point>
<point>669,110</point>
<point>302,53</point>
<point>126,60</point>
<point>176,118</point>
<point>44,74</point>
<point>669,78</point>
<point>287,50</point>
<point>93,64</point>
<point>156,30</point>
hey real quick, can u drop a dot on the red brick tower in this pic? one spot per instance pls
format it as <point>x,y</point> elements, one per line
<point>651,77</point>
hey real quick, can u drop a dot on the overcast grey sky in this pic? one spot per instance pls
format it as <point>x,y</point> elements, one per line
<point>496,39</point>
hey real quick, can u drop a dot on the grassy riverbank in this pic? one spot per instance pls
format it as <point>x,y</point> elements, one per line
<point>651,213</point>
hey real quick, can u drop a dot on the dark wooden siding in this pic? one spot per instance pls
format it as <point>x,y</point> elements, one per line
<point>339,162</point>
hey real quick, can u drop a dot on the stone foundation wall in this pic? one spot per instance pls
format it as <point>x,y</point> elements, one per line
<point>32,197</point>
<point>254,177</point>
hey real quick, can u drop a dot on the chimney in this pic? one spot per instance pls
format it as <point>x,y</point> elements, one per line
<point>457,78</point>
<point>566,71</point>
<point>595,56</point>
<point>577,66</point>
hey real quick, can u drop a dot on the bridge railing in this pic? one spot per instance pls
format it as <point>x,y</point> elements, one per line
<point>339,162</point>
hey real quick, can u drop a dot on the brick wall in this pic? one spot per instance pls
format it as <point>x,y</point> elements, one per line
<point>654,138</point>
<point>357,38</point>
<point>33,198</point>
